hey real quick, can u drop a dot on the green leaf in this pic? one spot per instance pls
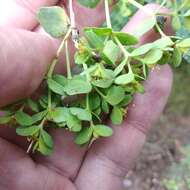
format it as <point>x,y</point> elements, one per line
<point>84,136</point>
<point>43,148</point>
<point>139,88</point>
<point>165,58</point>
<point>127,100</point>
<point>43,101</point>
<point>94,40</point>
<point>77,86</point>
<point>110,52</point>
<point>145,70</point>
<point>81,58</point>
<point>126,39</point>
<point>59,114</point>
<point>94,101</point>
<point>89,3</point>
<point>73,123</point>
<point>100,31</point>
<point>97,112</point>
<point>163,42</point>
<point>142,50</point>
<point>120,67</point>
<point>39,116</point>
<point>103,83</point>
<point>145,26</point>
<point>23,119</point>
<point>176,23</point>
<point>103,130</point>
<point>27,131</point>
<point>187,14</point>
<point>187,22</point>
<point>56,87</point>
<point>82,114</point>
<point>176,57</point>
<point>187,4</point>
<point>47,138</point>
<point>54,20</point>
<point>125,79</point>
<point>184,43</point>
<point>116,116</point>
<point>115,95</point>
<point>33,105</point>
<point>105,106</point>
<point>153,56</point>
<point>62,80</point>
<point>5,119</point>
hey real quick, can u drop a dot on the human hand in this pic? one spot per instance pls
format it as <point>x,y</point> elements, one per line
<point>25,57</point>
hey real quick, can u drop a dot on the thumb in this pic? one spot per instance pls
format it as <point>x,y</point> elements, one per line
<point>24,61</point>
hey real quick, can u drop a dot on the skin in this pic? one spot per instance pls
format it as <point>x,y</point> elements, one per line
<point>25,55</point>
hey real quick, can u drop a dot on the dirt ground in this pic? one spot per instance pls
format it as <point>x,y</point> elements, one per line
<point>161,150</point>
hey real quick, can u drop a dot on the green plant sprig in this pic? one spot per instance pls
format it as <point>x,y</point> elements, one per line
<point>110,69</point>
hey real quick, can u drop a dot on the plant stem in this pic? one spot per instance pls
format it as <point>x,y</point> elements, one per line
<point>49,99</point>
<point>164,14</point>
<point>75,33</point>
<point>141,7</point>
<point>108,20</point>
<point>160,30</point>
<point>61,47</point>
<point>51,69</point>
<point>53,64</point>
<point>71,14</point>
<point>125,52</point>
<point>69,75</point>
<point>99,92</point>
<point>87,73</point>
<point>162,5</point>
<point>49,75</point>
<point>182,5</point>
<point>42,122</point>
<point>87,102</point>
<point>30,147</point>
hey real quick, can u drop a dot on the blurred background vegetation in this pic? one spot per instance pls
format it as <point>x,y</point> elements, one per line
<point>165,160</point>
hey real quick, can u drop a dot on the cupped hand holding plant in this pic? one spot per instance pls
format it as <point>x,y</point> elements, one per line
<point>25,59</point>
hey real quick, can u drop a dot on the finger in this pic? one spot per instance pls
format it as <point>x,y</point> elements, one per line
<point>25,57</point>
<point>15,163</point>
<point>109,159</point>
<point>21,13</point>
<point>22,68</point>
<point>71,154</point>
<point>89,17</point>
<point>137,19</point>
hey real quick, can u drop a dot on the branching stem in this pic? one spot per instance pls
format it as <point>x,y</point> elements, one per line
<point>125,52</point>
<point>108,19</point>
<point>71,13</point>
<point>160,30</point>
<point>141,7</point>
<point>30,147</point>
<point>68,63</point>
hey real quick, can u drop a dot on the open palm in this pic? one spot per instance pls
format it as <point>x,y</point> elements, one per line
<point>24,58</point>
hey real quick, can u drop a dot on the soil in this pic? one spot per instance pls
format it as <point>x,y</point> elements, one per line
<point>160,151</point>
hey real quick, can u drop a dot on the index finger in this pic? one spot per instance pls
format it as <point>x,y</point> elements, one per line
<point>21,13</point>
